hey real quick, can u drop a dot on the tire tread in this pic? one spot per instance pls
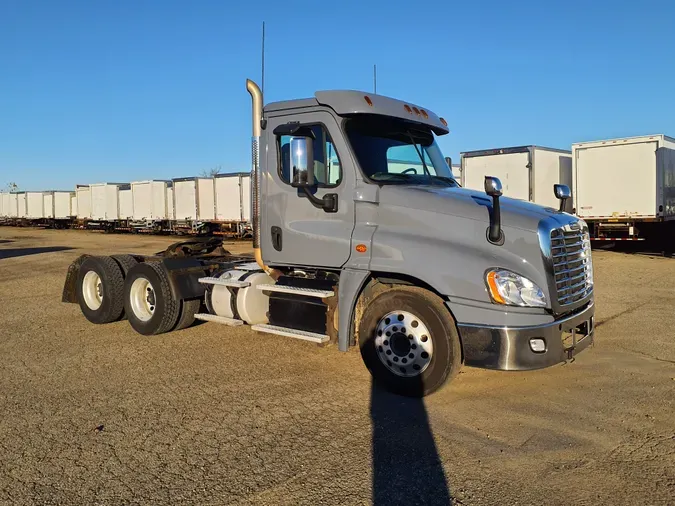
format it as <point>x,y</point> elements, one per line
<point>172,306</point>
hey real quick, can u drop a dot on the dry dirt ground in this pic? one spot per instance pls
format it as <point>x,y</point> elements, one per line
<point>218,415</point>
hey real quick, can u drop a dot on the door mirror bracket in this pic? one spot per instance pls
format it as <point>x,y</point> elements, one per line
<point>328,202</point>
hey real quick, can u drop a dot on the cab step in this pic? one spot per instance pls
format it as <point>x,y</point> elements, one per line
<point>297,334</point>
<point>309,292</point>
<point>224,320</point>
<point>234,283</point>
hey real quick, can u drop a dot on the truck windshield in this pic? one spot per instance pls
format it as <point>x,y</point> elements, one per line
<point>392,151</point>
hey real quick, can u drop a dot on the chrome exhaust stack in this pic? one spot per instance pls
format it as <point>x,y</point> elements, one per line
<point>257,109</point>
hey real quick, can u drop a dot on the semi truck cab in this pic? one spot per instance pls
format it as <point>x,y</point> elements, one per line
<point>362,236</point>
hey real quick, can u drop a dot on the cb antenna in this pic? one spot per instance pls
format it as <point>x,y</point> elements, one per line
<point>375,79</point>
<point>263,60</point>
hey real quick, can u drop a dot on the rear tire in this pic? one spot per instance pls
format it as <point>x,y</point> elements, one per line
<point>100,290</point>
<point>189,308</point>
<point>413,361</point>
<point>126,262</point>
<point>148,301</point>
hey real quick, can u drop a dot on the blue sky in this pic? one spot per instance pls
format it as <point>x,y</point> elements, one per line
<point>136,89</point>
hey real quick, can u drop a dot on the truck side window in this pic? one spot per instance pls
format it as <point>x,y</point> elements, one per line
<point>327,167</point>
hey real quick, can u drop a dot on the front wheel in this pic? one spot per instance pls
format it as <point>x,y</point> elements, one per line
<point>409,341</point>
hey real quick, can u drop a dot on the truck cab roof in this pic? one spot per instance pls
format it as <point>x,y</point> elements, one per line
<point>350,103</point>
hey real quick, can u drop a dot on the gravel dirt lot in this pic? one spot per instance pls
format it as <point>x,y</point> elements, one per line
<point>219,415</point>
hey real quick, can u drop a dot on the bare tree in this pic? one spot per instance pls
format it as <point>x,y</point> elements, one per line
<point>11,187</point>
<point>212,172</point>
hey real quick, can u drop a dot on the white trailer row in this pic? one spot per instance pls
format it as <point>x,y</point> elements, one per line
<point>197,203</point>
<point>623,188</point>
<point>526,172</point>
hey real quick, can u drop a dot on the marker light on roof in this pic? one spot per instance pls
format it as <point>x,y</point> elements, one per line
<point>368,101</point>
<point>417,111</point>
<point>407,108</point>
<point>445,123</point>
<point>424,114</point>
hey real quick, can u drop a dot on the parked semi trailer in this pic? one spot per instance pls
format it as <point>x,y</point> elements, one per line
<point>233,204</point>
<point>421,274</point>
<point>58,208</point>
<point>527,172</point>
<point>194,203</point>
<point>150,206</point>
<point>625,188</point>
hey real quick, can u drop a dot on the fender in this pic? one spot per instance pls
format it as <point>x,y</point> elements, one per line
<point>349,289</point>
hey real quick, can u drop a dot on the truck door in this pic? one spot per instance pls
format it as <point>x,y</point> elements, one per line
<point>293,231</point>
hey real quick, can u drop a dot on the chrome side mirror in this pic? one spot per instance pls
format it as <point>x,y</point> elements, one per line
<point>302,162</point>
<point>562,192</point>
<point>493,186</point>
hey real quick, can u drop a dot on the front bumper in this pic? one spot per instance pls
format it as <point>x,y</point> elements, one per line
<point>508,348</point>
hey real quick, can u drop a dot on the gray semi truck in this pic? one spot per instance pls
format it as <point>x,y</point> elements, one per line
<point>363,237</point>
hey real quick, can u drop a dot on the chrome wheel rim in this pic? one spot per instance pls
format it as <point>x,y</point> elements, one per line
<point>403,343</point>
<point>142,299</point>
<point>92,290</point>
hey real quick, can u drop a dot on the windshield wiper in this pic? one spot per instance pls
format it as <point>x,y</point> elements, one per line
<point>383,176</point>
<point>424,164</point>
<point>450,180</point>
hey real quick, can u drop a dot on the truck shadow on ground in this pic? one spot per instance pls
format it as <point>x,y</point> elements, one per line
<point>407,468</point>
<point>20,252</point>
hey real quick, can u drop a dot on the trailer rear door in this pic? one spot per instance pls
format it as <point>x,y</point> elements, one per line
<point>665,158</point>
<point>511,169</point>
<point>616,180</point>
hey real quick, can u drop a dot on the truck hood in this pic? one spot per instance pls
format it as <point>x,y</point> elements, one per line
<point>465,203</point>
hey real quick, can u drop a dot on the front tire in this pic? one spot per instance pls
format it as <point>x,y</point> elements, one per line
<point>148,301</point>
<point>409,341</point>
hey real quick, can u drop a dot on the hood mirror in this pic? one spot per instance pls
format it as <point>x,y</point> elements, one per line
<point>493,187</point>
<point>562,192</point>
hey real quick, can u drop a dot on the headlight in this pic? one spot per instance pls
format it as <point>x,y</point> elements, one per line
<point>511,289</point>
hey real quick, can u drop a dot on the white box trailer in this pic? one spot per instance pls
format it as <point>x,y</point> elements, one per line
<point>105,205</point>
<point>233,197</point>
<point>624,187</point>
<point>4,204</point>
<point>57,204</point>
<point>83,202</point>
<point>12,210</point>
<point>194,199</point>
<point>62,203</point>
<point>170,210</point>
<point>48,204</point>
<point>73,204</point>
<point>35,207</point>
<point>21,205</point>
<point>126,204</point>
<point>526,172</point>
<point>150,200</point>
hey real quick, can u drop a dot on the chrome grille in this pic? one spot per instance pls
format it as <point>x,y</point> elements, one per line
<point>572,264</point>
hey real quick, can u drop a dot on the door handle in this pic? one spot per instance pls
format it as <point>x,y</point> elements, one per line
<point>276,238</point>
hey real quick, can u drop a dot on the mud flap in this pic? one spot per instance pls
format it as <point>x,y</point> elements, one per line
<point>69,287</point>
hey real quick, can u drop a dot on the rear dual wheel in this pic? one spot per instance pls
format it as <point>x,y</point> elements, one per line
<point>100,289</point>
<point>109,288</point>
<point>149,302</point>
